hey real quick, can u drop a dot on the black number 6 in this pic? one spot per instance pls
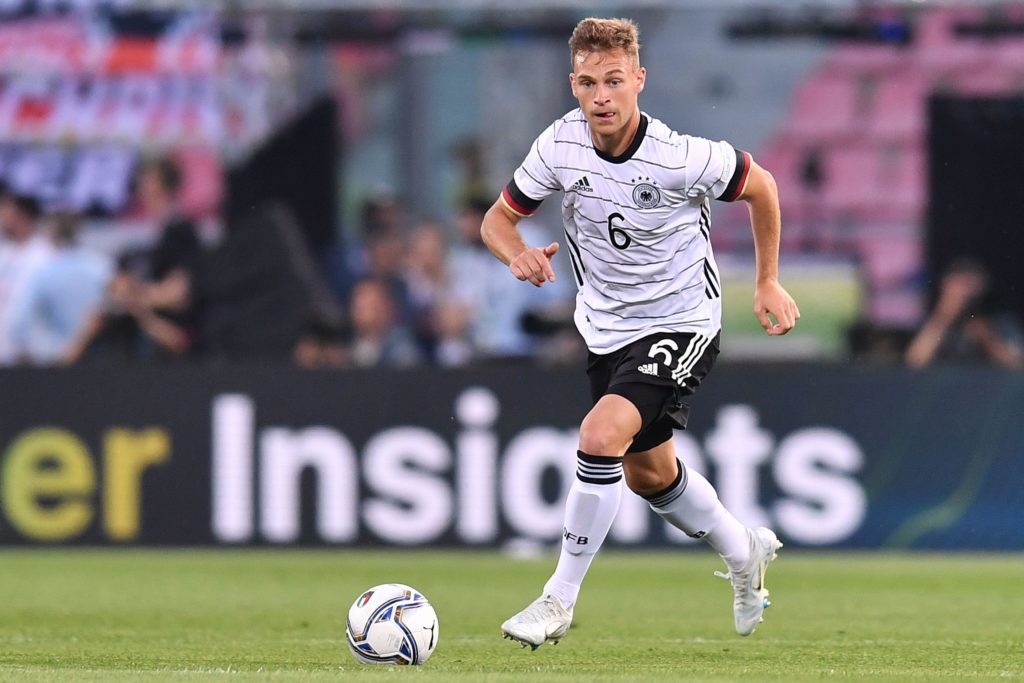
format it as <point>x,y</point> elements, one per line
<point>620,239</point>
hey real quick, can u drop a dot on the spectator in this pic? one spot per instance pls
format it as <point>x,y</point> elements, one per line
<point>961,327</point>
<point>23,251</point>
<point>425,279</point>
<point>53,310</point>
<point>381,218</point>
<point>385,261</point>
<point>153,300</point>
<point>454,346</point>
<point>378,340</point>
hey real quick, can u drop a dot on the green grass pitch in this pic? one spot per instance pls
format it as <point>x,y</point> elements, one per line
<point>186,615</point>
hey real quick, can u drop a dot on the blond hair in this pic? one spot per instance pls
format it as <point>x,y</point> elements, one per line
<point>604,35</point>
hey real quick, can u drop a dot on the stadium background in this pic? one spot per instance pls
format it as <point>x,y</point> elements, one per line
<point>318,141</point>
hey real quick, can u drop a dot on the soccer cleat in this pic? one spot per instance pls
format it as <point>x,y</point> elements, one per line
<point>751,596</point>
<point>543,619</point>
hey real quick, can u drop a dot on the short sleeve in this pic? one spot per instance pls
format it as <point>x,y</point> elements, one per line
<point>535,179</point>
<point>716,169</point>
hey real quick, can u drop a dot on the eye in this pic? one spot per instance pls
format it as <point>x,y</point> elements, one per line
<point>615,82</point>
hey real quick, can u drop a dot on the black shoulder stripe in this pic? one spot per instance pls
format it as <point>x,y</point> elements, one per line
<point>738,181</point>
<point>521,202</point>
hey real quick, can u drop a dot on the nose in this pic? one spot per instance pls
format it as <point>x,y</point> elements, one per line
<point>600,94</point>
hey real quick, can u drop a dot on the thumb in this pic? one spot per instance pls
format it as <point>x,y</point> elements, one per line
<point>551,249</point>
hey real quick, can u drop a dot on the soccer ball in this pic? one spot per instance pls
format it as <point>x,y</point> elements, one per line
<point>392,624</point>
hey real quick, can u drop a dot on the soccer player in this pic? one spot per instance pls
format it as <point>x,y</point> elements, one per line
<point>636,210</point>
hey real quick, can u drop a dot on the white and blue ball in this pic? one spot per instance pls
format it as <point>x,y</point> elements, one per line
<point>392,624</point>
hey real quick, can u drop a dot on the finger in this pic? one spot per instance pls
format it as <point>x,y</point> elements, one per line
<point>551,249</point>
<point>784,320</point>
<point>762,317</point>
<point>549,272</point>
<point>541,266</point>
<point>518,270</point>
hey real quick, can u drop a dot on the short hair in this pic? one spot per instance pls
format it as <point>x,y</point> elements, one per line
<point>604,35</point>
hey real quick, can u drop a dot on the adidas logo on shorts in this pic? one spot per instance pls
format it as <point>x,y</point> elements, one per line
<point>648,368</point>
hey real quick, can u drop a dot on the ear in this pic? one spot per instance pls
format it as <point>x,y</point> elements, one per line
<point>641,78</point>
<point>572,84</point>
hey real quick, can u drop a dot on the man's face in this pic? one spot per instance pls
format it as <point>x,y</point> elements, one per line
<point>607,85</point>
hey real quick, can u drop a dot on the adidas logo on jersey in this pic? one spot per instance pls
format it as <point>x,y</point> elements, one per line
<point>581,185</point>
<point>648,368</point>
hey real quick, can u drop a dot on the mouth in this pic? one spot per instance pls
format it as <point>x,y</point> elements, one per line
<point>604,116</point>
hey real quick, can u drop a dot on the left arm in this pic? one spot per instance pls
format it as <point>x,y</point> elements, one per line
<point>173,293</point>
<point>770,298</point>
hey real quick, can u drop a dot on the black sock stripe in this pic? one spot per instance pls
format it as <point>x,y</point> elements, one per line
<point>669,494</point>
<point>596,469</point>
<point>603,460</point>
<point>594,480</point>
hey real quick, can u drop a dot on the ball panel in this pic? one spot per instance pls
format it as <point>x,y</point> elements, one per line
<point>391,624</point>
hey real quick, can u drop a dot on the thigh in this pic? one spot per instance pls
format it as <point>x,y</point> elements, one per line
<point>656,374</point>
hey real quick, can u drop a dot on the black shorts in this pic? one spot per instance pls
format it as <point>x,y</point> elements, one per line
<point>655,374</point>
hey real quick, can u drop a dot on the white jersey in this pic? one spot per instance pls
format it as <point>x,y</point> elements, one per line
<point>637,225</point>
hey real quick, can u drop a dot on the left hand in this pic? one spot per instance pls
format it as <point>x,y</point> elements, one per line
<point>770,299</point>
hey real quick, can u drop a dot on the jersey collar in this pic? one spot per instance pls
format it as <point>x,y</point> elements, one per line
<point>638,138</point>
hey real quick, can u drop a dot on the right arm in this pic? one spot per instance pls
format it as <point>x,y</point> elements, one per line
<point>500,232</point>
<point>531,183</point>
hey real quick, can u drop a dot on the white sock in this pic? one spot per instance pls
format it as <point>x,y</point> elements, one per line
<point>589,511</point>
<point>690,503</point>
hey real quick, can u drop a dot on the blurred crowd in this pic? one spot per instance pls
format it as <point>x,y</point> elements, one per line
<point>419,292</point>
<point>61,302</point>
<point>403,292</point>
<point>407,293</point>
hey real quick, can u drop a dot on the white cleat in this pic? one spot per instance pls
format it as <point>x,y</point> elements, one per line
<point>544,619</point>
<point>751,596</point>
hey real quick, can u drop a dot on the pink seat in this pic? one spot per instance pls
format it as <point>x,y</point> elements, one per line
<point>854,59</point>
<point>784,158</point>
<point>851,178</point>
<point>938,47</point>
<point>889,265</point>
<point>992,81</point>
<point>827,107</point>
<point>1009,53</point>
<point>889,260</point>
<point>899,110</point>
<point>876,182</point>
<point>935,26</point>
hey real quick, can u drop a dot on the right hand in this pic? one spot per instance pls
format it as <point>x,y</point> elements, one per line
<point>534,264</point>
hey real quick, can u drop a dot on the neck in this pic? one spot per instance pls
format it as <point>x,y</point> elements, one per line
<point>618,142</point>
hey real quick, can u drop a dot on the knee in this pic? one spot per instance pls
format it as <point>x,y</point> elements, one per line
<point>601,438</point>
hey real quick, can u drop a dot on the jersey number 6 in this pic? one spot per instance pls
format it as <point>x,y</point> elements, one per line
<point>620,239</point>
